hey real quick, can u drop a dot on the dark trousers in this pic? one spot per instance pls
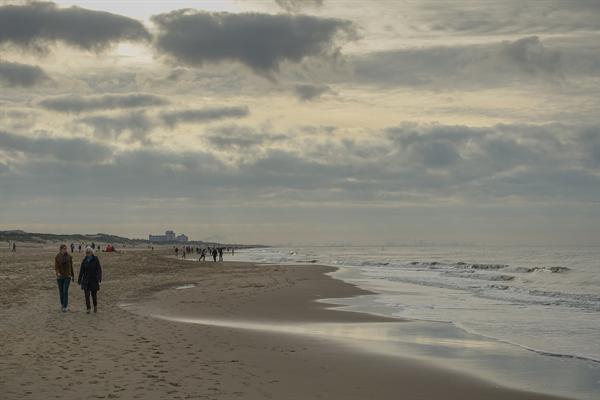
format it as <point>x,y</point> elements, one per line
<point>63,290</point>
<point>94,294</point>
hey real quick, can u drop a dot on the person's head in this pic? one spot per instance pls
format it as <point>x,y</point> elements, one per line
<point>62,249</point>
<point>89,251</point>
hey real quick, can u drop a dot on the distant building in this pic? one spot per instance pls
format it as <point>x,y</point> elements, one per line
<point>169,236</point>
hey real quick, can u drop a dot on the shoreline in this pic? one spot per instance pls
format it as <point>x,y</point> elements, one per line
<point>320,327</point>
<point>348,273</point>
<point>118,354</point>
<point>344,306</point>
<point>545,367</point>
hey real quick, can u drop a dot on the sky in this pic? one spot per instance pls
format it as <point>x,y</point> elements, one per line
<point>293,122</point>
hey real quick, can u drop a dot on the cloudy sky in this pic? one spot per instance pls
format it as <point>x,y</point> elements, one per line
<point>315,121</point>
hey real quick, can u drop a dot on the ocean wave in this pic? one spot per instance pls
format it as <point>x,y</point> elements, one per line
<point>509,293</point>
<point>471,274</point>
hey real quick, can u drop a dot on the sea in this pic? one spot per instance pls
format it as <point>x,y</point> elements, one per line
<point>545,299</point>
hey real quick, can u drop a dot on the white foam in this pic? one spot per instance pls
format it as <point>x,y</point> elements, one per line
<point>189,286</point>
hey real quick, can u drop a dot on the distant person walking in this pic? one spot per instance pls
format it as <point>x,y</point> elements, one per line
<point>80,247</point>
<point>72,248</point>
<point>202,255</point>
<point>176,252</point>
<point>214,254</point>
<point>90,276</point>
<point>63,267</point>
<point>220,254</point>
<point>14,249</point>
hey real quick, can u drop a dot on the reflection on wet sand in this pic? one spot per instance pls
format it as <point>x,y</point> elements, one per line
<point>441,344</point>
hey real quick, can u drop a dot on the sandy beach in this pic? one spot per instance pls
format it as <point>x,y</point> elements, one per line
<point>126,352</point>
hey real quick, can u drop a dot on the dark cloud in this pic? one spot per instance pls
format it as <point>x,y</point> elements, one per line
<point>286,169</point>
<point>259,41</point>
<point>531,56</point>
<point>240,137</point>
<point>65,149</point>
<point>131,127</point>
<point>314,130</point>
<point>308,92</point>
<point>590,140</point>
<point>78,104</point>
<point>512,16</point>
<point>526,61</point>
<point>408,134</point>
<point>438,154</point>
<point>294,6</point>
<point>140,172</point>
<point>23,75</point>
<point>419,162</point>
<point>157,171</point>
<point>38,23</point>
<point>203,115</point>
<point>470,157</point>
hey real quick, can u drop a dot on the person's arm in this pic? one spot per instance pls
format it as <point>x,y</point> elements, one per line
<point>56,269</point>
<point>80,273</point>
<point>71,266</point>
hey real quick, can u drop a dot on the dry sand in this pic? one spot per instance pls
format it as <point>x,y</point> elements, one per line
<point>46,354</point>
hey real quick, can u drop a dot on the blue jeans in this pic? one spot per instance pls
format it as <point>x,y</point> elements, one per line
<point>63,290</point>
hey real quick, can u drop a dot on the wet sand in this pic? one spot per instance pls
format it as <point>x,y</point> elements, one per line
<point>123,354</point>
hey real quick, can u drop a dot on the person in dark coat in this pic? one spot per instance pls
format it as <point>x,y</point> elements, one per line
<point>90,276</point>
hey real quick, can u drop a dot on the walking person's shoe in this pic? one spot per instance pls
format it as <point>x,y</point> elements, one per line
<point>95,309</point>
<point>88,311</point>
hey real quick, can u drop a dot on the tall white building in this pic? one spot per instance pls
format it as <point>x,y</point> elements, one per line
<point>169,236</point>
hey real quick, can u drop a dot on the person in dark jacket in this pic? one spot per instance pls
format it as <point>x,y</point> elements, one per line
<point>90,276</point>
<point>63,267</point>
